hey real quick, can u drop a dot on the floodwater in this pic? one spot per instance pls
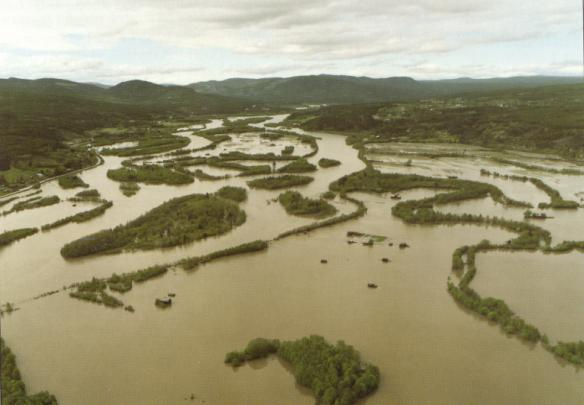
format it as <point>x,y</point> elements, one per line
<point>429,350</point>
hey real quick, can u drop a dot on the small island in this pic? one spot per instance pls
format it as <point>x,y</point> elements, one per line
<point>335,374</point>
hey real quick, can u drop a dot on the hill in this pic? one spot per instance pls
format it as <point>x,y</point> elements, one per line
<point>544,119</point>
<point>39,117</point>
<point>330,89</point>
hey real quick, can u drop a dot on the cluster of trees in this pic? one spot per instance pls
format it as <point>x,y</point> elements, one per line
<point>237,194</point>
<point>280,182</point>
<point>80,217</point>
<point>296,204</point>
<point>334,373</point>
<point>359,212</point>
<point>250,247</point>
<point>245,170</point>
<point>71,181</point>
<point>6,238</point>
<point>298,166</point>
<point>149,174</point>
<point>89,195</point>
<point>324,163</point>
<point>176,222</point>
<point>13,390</point>
<point>129,188</point>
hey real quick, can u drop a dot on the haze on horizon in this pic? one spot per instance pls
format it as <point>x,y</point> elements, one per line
<point>184,41</point>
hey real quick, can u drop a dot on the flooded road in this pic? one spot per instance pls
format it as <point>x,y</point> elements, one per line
<point>428,349</point>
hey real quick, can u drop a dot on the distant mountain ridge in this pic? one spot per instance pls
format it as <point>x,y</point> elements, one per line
<point>332,89</point>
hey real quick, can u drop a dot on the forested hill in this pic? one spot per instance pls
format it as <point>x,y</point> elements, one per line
<point>548,118</point>
<point>330,89</point>
<point>37,115</point>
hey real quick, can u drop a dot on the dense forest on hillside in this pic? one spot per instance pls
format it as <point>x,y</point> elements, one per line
<point>43,123</point>
<point>545,119</point>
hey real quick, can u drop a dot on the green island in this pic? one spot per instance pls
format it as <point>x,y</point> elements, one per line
<point>71,181</point>
<point>203,176</point>
<point>13,388</point>
<point>8,237</point>
<point>298,166</point>
<point>80,217</point>
<point>129,188</point>
<point>325,163</point>
<point>335,374</point>
<point>280,182</point>
<point>149,174</point>
<point>176,222</point>
<point>88,195</point>
<point>296,204</point>
<point>237,194</point>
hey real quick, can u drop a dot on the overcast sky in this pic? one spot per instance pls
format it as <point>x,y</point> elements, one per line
<point>183,41</point>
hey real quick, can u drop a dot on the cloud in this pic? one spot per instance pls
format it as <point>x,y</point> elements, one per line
<point>300,35</point>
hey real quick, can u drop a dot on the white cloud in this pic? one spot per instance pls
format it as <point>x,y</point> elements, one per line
<point>303,33</point>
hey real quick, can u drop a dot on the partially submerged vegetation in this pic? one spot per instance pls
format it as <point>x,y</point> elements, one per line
<point>35,202</point>
<point>13,388</point>
<point>71,181</point>
<point>8,237</point>
<point>149,174</point>
<point>177,222</point>
<point>298,166</point>
<point>325,163</point>
<point>280,182</point>
<point>80,217</point>
<point>129,188</point>
<point>237,194</point>
<point>335,374</point>
<point>149,146</point>
<point>296,204</point>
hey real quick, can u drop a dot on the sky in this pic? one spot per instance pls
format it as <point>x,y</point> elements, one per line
<point>185,41</point>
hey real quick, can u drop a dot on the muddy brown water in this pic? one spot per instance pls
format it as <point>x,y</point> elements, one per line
<point>428,349</point>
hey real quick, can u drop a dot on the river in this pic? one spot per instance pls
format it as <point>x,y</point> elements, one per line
<point>428,349</point>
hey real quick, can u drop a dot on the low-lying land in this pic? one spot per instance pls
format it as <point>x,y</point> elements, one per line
<point>176,222</point>
<point>296,204</point>
<point>334,373</point>
<point>6,238</point>
<point>237,194</point>
<point>325,163</point>
<point>149,174</point>
<point>298,166</point>
<point>35,202</point>
<point>71,181</point>
<point>129,188</point>
<point>80,217</point>
<point>279,182</point>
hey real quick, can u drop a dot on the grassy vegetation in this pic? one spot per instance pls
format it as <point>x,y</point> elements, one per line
<point>237,194</point>
<point>13,388</point>
<point>298,166</point>
<point>245,170</point>
<point>280,182</point>
<point>149,174</point>
<point>8,201</point>
<point>71,181</point>
<point>177,222</point>
<point>335,374</point>
<point>8,237</point>
<point>325,163</point>
<point>80,217</point>
<point>296,204</point>
<point>35,202</point>
<point>129,188</point>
